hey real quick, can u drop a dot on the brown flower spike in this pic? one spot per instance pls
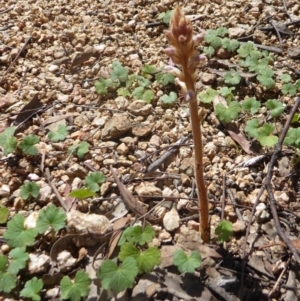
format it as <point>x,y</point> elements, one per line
<point>183,52</point>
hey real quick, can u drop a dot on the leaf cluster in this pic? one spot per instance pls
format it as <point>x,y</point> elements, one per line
<point>137,86</point>
<point>135,259</point>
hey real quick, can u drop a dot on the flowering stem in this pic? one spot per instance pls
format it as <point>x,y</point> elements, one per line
<point>184,53</point>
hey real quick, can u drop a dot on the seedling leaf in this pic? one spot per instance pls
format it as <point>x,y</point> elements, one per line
<point>7,282</point>
<point>148,259</point>
<point>128,250</point>
<point>208,95</point>
<point>223,231</point>
<point>187,263</point>
<point>27,145</point>
<point>232,78</point>
<point>246,49</point>
<point>77,289</point>
<point>164,78</point>
<point>292,137</point>
<point>8,141</point>
<point>118,72</point>
<point>137,234</point>
<point>93,180</point>
<point>51,216</point>
<point>285,78</point>
<point>118,278</point>
<point>29,190</point>
<point>19,259</point>
<point>3,263</point>
<point>61,133</point>
<point>209,51</point>
<point>32,289</point>
<point>150,69</point>
<point>170,99</point>
<point>101,86</point>
<point>251,105</point>
<point>265,137</point>
<point>17,235</point>
<point>80,149</point>
<point>141,93</point>
<point>4,214</point>
<point>265,77</point>
<point>82,193</point>
<point>222,31</point>
<point>230,45</point>
<point>275,107</point>
<point>289,88</point>
<point>230,113</point>
<point>165,16</point>
<point>252,127</point>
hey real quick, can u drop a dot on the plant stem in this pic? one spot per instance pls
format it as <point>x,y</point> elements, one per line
<point>198,155</point>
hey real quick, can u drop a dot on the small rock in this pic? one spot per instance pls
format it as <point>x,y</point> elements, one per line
<point>65,260</point>
<point>124,162</point>
<point>236,32</point>
<point>121,102</point>
<point>185,179</point>
<point>142,129</point>
<point>140,108</point>
<point>259,36</point>
<point>45,193</point>
<point>53,68</point>
<point>78,222</point>
<point>38,263</point>
<point>122,149</point>
<point>148,189</point>
<point>76,170</point>
<point>208,78</point>
<point>239,226</point>
<point>33,177</point>
<point>105,187</point>
<point>171,220</point>
<point>164,236</point>
<point>31,219</point>
<point>99,121</point>
<point>4,190</point>
<point>116,127</point>
<point>294,52</point>
<point>210,150</point>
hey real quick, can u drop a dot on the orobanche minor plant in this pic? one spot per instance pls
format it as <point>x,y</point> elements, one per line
<point>183,52</point>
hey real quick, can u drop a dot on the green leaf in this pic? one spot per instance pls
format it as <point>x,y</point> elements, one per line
<point>228,114</point>
<point>187,263</point>
<point>225,91</point>
<point>297,84</point>
<point>93,180</point>
<point>128,250</point>
<point>82,193</point>
<point>292,137</point>
<point>61,133</point>
<point>141,93</point>
<point>169,100</point>
<point>232,77</point>
<point>212,38</point>
<point>265,137</point>
<point>29,190</point>
<point>209,51</point>
<point>246,49</point>
<point>296,118</point>
<point>265,77</point>
<point>8,282</point>
<point>4,214</point>
<point>80,149</point>
<point>285,78</point>
<point>164,78</point>
<point>275,107</point>
<point>289,88</point>
<point>137,234</point>
<point>32,289</point>
<point>7,141</point>
<point>123,91</point>
<point>208,95</point>
<point>118,278</point>
<point>230,45</point>
<point>150,69</point>
<point>147,260</point>
<point>165,16</point>
<point>17,235</point>
<point>143,82</point>
<point>51,216</point>
<point>77,289</point>
<point>222,31</point>
<point>118,72</point>
<point>3,263</point>
<point>19,259</point>
<point>101,86</point>
<point>251,105</point>
<point>27,145</point>
<point>223,231</point>
<point>252,127</point>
